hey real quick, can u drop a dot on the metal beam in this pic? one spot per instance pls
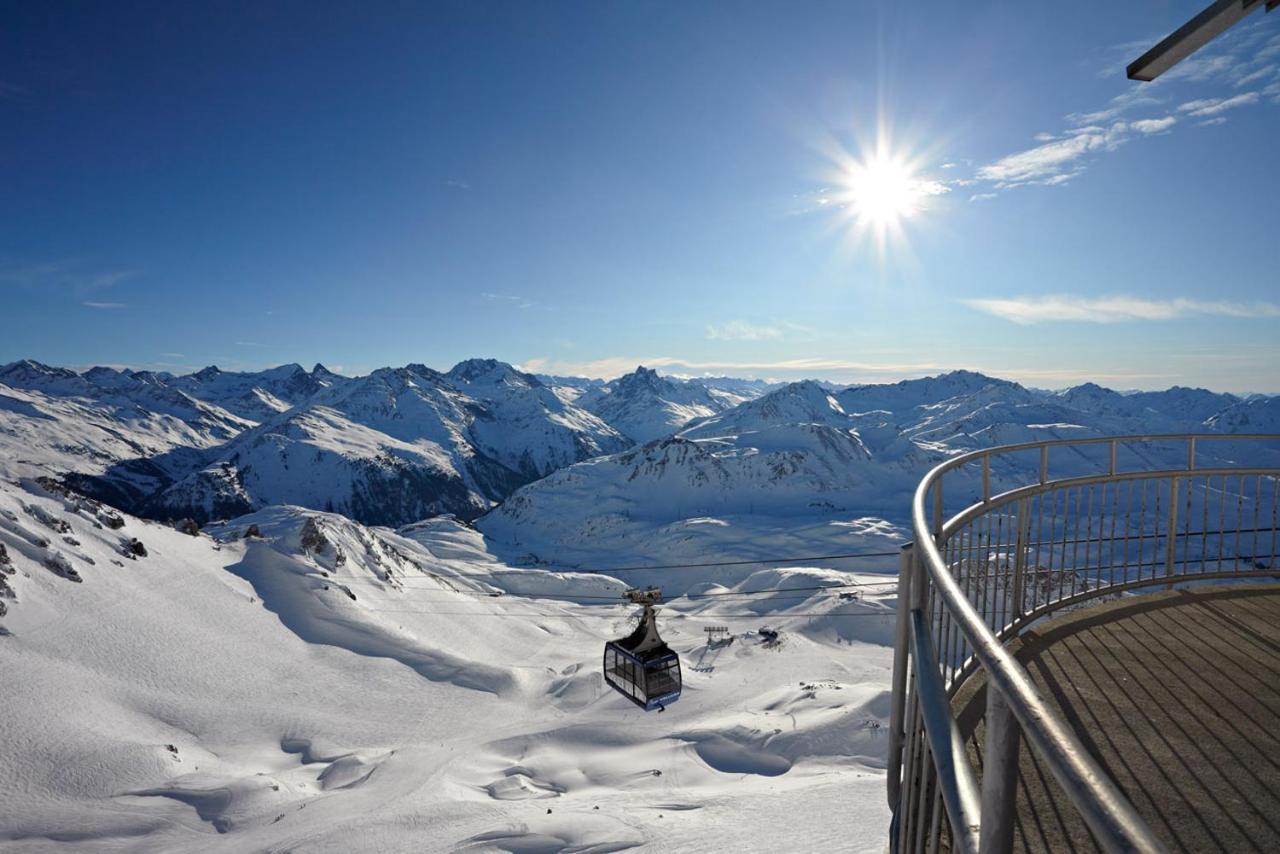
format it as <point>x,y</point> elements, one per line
<point>1192,36</point>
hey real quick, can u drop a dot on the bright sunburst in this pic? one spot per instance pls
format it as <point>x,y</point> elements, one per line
<point>881,190</point>
<point>877,190</point>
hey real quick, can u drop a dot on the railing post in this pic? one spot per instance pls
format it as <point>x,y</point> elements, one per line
<point>901,652</point>
<point>1171,538</point>
<point>1020,558</point>
<point>937,511</point>
<point>1044,464</point>
<point>986,478</point>
<point>999,775</point>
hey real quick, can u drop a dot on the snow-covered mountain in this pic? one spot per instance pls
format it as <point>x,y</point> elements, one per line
<point>843,462</point>
<point>1255,415</point>
<point>524,425</point>
<point>258,395</point>
<point>393,447</point>
<point>54,421</point>
<point>646,406</point>
<point>405,443</point>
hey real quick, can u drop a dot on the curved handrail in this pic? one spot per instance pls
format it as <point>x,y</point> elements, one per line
<point>1111,818</point>
<point>1108,814</point>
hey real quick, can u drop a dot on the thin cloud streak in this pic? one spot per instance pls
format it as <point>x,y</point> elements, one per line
<point>741,330</point>
<point>835,370</point>
<point>1113,309</point>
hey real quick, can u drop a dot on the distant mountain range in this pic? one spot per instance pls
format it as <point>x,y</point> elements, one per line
<point>564,457</point>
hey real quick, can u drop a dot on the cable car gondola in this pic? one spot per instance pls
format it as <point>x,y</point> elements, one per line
<point>641,667</point>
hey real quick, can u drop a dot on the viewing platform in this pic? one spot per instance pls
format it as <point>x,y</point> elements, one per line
<point>1088,650</point>
<point>1177,696</point>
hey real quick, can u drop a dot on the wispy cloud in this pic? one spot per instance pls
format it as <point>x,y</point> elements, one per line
<point>1052,162</point>
<point>1213,106</point>
<point>174,355</point>
<point>457,185</point>
<point>1113,309</point>
<point>615,366</point>
<point>1261,74</point>
<point>1242,57</point>
<point>1153,125</point>
<point>68,275</point>
<point>517,301</point>
<point>837,370</point>
<point>741,330</point>
<point>102,305</point>
<point>982,197</point>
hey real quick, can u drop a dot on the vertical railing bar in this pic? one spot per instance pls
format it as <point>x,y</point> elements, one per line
<point>1111,465</point>
<point>1191,454</point>
<point>1222,523</point>
<point>910,774</point>
<point>1239,514</point>
<point>1111,541</point>
<point>1155,524</point>
<point>1075,546</point>
<point>976,586</point>
<point>937,511</point>
<point>935,829</point>
<point>1044,464</point>
<point>1186,526</point>
<point>901,654</point>
<point>1206,494</point>
<point>1022,606</point>
<point>1066,533</point>
<point>927,776</point>
<point>945,638</point>
<point>1142,528</point>
<point>986,478</point>
<point>1128,519</point>
<point>1275,518</point>
<point>1088,533</point>
<point>1257,510</point>
<point>1171,538</point>
<point>999,775</point>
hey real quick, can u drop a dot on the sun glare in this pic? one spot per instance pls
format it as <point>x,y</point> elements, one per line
<point>882,191</point>
<point>877,190</point>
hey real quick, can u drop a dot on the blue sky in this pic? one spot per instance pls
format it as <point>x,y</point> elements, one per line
<point>581,187</point>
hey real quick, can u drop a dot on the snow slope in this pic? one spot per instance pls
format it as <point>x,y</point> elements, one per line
<point>323,686</point>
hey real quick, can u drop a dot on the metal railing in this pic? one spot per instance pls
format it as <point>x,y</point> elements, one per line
<point>1127,513</point>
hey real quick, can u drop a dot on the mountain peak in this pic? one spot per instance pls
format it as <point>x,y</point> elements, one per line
<point>640,378</point>
<point>208,373</point>
<point>473,370</point>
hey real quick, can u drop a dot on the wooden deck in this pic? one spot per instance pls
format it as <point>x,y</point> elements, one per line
<point>1177,695</point>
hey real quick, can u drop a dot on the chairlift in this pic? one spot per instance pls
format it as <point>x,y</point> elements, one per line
<point>640,666</point>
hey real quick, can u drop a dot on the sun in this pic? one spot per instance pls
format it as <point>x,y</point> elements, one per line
<point>882,191</point>
<point>878,189</point>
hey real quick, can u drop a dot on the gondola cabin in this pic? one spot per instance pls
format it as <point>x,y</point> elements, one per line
<point>641,667</point>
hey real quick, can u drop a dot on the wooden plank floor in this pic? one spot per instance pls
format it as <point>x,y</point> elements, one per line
<point>1177,695</point>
